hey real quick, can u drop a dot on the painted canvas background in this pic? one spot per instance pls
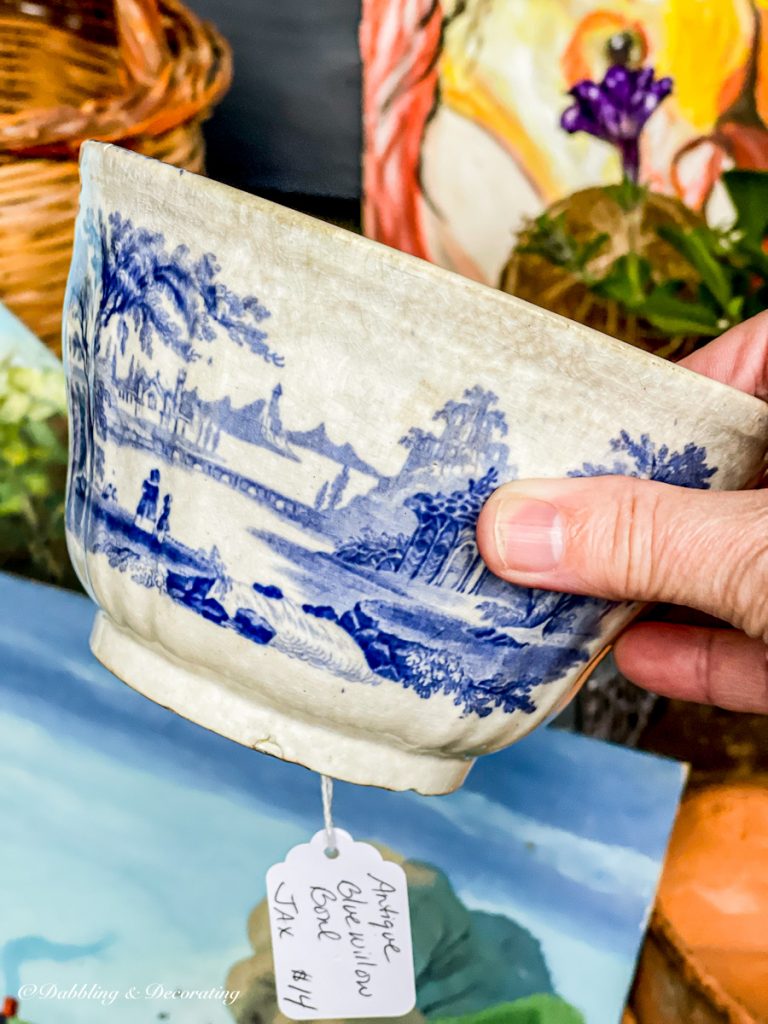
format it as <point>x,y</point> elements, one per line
<point>134,848</point>
<point>462,100</point>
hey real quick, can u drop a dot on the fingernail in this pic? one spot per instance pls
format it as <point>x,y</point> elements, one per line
<point>529,534</point>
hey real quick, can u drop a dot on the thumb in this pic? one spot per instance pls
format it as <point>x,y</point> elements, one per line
<point>628,539</point>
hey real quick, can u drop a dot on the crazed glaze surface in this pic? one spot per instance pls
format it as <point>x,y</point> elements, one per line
<point>282,436</point>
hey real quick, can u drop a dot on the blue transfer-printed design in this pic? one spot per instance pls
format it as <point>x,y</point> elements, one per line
<point>268,591</point>
<point>165,296</point>
<point>645,459</point>
<point>387,582</point>
<point>441,550</point>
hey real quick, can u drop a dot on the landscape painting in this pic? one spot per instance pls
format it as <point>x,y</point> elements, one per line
<point>135,847</point>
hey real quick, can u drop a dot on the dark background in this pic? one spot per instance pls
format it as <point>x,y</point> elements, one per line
<point>291,123</point>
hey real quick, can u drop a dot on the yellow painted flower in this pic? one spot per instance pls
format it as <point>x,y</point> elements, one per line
<point>705,45</point>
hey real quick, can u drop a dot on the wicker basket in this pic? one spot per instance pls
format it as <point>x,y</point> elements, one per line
<point>144,73</point>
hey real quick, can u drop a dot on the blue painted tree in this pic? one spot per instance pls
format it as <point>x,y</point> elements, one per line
<point>80,311</point>
<point>168,295</point>
<point>80,420</point>
<point>469,439</point>
<point>416,439</point>
<point>320,496</point>
<point>645,459</point>
<point>337,488</point>
<point>477,409</point>
<point>126,275</point>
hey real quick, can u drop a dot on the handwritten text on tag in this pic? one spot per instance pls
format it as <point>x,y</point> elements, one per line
<point>341,932</point>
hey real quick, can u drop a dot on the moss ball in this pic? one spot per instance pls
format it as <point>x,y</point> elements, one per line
<point>587,214</point>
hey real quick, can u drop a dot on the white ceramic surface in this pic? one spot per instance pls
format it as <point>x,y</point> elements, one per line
<point>282,435</point>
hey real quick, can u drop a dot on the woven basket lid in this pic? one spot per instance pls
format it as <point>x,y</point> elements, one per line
<point>103,69</point>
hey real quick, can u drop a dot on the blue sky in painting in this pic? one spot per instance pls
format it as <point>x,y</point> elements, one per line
<point>129,823</point>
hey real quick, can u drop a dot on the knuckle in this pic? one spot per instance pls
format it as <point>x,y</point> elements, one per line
<point>630,541</point>
<point>745,594</point>
<point>732,677</point>
<point>706,672</point>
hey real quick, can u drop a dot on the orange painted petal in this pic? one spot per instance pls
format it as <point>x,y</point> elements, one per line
<point>584,56</point>
<point>761,88</point>
<point>747,145</point>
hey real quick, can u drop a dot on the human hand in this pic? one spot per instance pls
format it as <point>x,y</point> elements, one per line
<point>628,539</point>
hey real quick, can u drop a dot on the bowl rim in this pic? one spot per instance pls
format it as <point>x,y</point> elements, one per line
<point>92,156</point>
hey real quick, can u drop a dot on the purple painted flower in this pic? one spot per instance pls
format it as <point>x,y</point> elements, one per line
<point>616,109</point>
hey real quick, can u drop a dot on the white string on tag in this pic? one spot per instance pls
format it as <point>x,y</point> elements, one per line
<point>326,788</point>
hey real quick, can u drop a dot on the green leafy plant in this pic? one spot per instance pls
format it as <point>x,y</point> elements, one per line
<point>550,238</point>
<point>729,267</point>
<point>33,458</point>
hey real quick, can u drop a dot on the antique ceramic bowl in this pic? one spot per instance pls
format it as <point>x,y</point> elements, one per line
<point>282,435</point>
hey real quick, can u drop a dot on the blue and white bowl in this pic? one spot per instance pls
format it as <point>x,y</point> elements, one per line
<point>282,435</point>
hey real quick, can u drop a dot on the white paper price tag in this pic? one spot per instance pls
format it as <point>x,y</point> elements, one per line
<point>341,932</point>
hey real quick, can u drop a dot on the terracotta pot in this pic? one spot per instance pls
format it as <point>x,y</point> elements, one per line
<point>705,960</point>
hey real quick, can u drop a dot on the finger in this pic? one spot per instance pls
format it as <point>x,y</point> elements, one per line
<point>739,357</point>
<point>637,540</point>
<point>708,666</point>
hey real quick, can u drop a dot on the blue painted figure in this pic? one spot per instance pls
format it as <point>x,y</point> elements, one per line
<point>164,522</point>
<point>146,511</point>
